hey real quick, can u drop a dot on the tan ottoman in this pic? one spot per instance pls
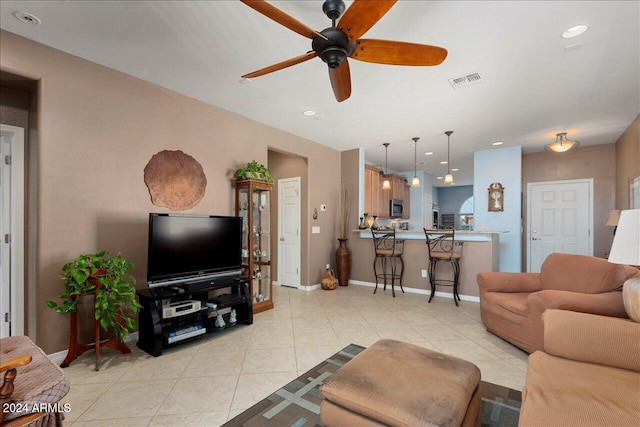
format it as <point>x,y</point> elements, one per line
<point>400,384</point>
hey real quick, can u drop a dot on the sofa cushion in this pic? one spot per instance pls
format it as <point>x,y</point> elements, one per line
<point>562,392</point>
<point>581,273</point>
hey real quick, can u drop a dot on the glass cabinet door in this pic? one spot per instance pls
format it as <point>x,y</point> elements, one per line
<point>254,206</point>
<point>243,211</point>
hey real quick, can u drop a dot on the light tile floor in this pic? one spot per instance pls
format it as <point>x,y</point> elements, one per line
<point>209,381</point>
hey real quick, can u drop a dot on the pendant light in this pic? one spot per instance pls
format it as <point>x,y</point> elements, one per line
<point>386,185</point>
<point>561,144</point>
<point>415,182</point>
<point>448,178</point>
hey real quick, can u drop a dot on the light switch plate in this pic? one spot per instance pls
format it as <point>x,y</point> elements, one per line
<point>315,229</point>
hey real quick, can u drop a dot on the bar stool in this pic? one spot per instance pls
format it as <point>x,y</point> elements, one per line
<point>441,245</point>
<point>389,254</point>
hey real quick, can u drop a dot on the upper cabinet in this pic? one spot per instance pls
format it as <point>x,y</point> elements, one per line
<point>376,200</point>
<point>373,191</point>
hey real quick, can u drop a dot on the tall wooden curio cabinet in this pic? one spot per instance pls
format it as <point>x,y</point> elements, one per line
<point>253,204</point>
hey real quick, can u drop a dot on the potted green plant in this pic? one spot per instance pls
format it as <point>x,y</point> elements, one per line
<point>254,170</point>
<point>108,276</point>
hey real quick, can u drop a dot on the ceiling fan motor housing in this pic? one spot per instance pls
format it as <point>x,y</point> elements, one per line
<point>333,8</point>
<point>335,49</point>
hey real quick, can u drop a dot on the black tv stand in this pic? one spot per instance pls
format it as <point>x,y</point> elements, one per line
<point>188,322</point>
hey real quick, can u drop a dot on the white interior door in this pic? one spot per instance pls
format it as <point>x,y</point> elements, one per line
<point>289,232</point>
<point>559,219</point>
<point>11,230</point>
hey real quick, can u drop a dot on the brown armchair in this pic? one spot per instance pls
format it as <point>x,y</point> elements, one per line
<point>32,385</point>
<point>511,304</point>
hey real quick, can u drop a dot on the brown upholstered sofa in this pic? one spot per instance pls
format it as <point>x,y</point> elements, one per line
<point>511,304</point>
<point>587,375</point>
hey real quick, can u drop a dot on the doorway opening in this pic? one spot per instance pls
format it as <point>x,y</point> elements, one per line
<point>290,169</point>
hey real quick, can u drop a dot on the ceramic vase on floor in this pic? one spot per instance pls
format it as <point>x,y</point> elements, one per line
<point>343,263</point>
<point>329,282</point>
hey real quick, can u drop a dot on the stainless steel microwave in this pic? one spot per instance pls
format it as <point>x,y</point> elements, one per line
<point>396,208</point>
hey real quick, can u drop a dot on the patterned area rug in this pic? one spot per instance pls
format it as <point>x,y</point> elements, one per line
<point>297,404</point>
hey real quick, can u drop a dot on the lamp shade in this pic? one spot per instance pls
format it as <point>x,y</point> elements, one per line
<point>448,179</point>
<point>561,144</point>
<point>626,243</point>
<point>614,217</point>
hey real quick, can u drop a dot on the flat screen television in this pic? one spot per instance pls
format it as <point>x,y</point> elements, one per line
<point>184,248</point>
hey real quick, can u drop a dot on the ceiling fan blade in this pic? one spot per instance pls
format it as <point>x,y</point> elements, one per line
<point>341,81</point>
<point>280,65</point>
<point>398,53</point>
<point>282,18</point>
<point>362,15</point>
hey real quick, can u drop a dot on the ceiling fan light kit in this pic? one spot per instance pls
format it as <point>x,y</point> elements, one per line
<point>334,45</point>
<point>561,144</point>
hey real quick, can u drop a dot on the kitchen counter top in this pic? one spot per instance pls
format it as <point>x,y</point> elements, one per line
<point>461,235</point>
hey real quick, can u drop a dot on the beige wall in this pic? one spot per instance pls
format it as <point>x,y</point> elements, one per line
<point>97,130</point>
<point>627,162</point>
<point>595,161</point>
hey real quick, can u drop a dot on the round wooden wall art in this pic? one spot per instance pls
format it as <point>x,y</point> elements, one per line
<point>175,180</point>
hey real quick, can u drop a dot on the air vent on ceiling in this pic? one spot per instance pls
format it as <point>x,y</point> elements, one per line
<point>464,81</point>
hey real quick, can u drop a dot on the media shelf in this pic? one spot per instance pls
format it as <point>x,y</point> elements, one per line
<point>172,315</point>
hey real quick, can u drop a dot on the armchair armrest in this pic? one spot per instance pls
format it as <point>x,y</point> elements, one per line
<point>592,338</point>
<point>508,282</point>
<point>606,304</point>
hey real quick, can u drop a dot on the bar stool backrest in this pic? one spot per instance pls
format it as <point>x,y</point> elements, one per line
<point>385,243</point>
<point>440,241</point>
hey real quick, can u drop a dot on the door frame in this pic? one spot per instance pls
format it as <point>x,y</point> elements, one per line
<point>298,181</point>
<point>16,136</point>
<point>530,185</point>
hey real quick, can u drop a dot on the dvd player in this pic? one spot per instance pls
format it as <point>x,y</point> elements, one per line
<point>180,308</point>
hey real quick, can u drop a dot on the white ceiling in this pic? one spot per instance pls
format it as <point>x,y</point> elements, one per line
<point>534,84</point>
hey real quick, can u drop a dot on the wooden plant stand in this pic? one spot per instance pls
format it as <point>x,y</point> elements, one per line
<point>76,349</point>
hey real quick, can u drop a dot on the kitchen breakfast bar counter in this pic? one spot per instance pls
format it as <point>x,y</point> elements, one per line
<point>480,252</point>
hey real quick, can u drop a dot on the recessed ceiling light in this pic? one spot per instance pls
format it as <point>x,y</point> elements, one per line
<point>444,162</point>
<point>309,113</point>
<point>429,153</point>
<point>574,31</point>
<point>497,143</point>
<point>439,177</point>
<point>455,170</point>
<point>27,18</point>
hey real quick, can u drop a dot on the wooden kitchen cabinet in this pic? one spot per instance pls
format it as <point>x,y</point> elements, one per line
<point>373,191</point>
<point>376,200</point>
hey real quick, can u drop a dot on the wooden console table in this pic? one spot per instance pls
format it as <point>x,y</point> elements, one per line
<point>76,349</point>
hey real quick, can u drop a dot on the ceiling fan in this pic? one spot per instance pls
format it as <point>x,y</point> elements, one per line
<point>334,44</point>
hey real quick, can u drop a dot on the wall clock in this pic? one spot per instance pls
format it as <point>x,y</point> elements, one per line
<point>496,197</point>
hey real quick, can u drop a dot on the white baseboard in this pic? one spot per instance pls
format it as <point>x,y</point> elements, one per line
<point>300,288</point>
<point>419,291</point>
<point>59,357</point>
